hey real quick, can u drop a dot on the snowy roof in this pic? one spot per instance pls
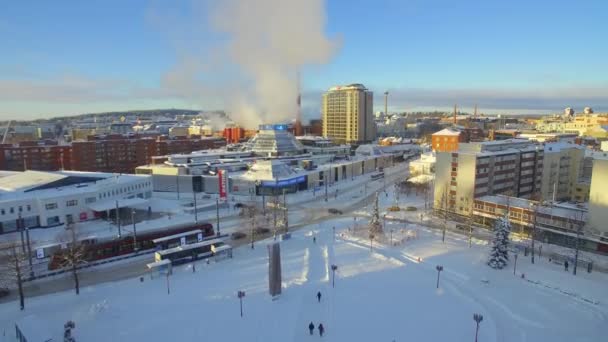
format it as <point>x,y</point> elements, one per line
<point>447,131</point>
<point>269,170</point>
<point>29,179</point>
<point>42,185</point>
<point>558,146</point>
<point>558,210</point>
<point>422,179</point>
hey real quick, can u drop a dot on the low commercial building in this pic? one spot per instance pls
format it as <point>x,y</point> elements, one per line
<point>557,223</point>
<point>33,199</point>
<point>423,166</point>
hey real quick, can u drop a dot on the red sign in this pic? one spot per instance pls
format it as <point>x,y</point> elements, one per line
<point>83,216</point>
<point>223,184</point>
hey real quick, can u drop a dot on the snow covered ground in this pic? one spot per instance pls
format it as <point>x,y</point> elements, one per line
<point>384,295</point>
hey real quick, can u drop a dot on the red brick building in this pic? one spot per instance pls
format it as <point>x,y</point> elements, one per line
<point>114,153</point>
<point>447,140</point>
<point>45,155</point>
<point>122,153</point>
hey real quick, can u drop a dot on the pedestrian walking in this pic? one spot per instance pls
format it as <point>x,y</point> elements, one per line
<point>321,329</point>
<point>311,328</point>
<point>566,265</point>
<point>314,239</point>
<point>319,296</point>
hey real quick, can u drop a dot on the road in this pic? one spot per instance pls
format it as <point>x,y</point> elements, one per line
<point>303,211</point>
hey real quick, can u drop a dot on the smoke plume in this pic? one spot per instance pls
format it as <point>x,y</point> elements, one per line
<point>253,71</point>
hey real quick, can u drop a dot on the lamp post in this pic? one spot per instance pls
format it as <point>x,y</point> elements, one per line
<point>334,268</point>
<point>217,215</point>
<point>439,268</point>
<point>241,295</point>
<point>477,318</point>
<point>535,210</point>
<point>515,264</point>
<point>118,220</point>
<point>195,207</point>
<point>20,227</point>
<point>134,230</point>
<point>384,222</point>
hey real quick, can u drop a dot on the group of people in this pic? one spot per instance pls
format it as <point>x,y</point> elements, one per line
<point>311,326</point>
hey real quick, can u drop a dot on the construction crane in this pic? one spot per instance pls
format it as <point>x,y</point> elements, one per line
<point>8,125</point>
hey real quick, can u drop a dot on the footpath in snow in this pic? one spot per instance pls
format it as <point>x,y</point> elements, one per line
<point>380,295</point>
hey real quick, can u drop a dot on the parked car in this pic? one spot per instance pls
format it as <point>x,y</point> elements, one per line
<point>334,211</point>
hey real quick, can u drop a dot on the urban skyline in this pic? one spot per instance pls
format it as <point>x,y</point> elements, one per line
<point>519,58</point>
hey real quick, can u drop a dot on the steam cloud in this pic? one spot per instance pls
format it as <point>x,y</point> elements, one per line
<point>253,73</point>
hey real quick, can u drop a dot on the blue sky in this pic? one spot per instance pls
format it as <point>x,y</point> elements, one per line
<point>70,57</point>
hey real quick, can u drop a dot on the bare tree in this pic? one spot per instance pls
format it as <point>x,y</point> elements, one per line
<point>443,210</point>
<point>73,256</point>
<point>469,202</point>
<point>251,212</point>
<point>13,265</point>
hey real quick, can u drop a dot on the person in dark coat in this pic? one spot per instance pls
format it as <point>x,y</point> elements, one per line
<point>319,296</point>
<point>311,328</point>
<point>566,265</point>
<point>314,239</point>
<point>321,329</point>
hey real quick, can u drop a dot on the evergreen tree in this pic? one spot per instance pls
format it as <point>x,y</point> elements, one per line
<point>375,226</point>
<point>499,253</point>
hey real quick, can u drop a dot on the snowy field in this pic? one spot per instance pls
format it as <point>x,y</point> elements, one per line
<point>384,295</point>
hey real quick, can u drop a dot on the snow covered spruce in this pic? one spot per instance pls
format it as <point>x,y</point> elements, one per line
<point>499,253</point>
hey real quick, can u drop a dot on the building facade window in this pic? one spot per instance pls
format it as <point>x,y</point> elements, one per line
<point>50,206</point>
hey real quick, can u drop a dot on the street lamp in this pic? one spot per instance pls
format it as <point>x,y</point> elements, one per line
<point>477,318</point>
<point>241,295</point>
<point>334,268</point>
<point>134,230</point>
<point>439,268</point>
<point>384,222</point>
<point>535,206</point>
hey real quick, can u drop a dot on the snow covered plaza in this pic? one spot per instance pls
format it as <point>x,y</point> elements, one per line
<point>386,294</point>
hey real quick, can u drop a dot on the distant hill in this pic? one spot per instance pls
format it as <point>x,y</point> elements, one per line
<point>172,112</point>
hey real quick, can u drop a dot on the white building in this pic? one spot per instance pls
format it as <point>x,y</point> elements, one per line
<point>423,166</point>
<point>44,199</point>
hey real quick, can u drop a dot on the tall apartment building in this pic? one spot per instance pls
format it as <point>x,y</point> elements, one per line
<point>46,155</point>
<point>511,167</point>
<point>348,114</point>
<point>598,198</point>
<point>562,167</point>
